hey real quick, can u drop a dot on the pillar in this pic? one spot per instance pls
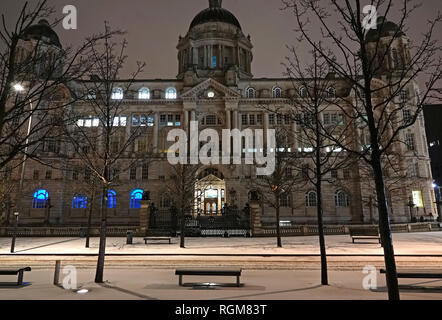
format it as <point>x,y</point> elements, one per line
<point>155,133</point>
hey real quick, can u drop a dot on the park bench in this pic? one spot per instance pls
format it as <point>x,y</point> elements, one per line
<point>417,274</point>
<point>158,239</point>
<point>364,233</point>
<point>220,272</point>
<point>20,273</point>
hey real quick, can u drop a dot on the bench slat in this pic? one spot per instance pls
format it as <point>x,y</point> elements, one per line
<point>208,272</point>
<point>414,273</point>
<point>13,272</point>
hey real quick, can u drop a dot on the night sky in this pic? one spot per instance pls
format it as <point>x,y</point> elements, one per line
<point>153,27</point>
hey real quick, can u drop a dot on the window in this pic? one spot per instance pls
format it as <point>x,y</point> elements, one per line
<point>36,175</point>
<point>404,96</point>
<point>91,95</point>
<point>252,119</point>
<point>117,94</point>
<point>213,61</point>
<point>145,172</point>
<point>165,201</point>
<point>135,198</point>
<point>406,116</point>
<point>75,174</point>
<point>40,199</point>
<point>120,121</point>
<point>79,202</point>
<point>311,200</point>
<point>334,174</point>
<point>284,200</point>
<point>211,120</point>
<point>150,121</point>
<point>259,119</point>
<point>347,174</point>
<point>171,94</point>
<point>244,120</point>
<point>144,94</point>
<point>331,93</point>
<point>277,92</point>
<point>271,119</point>
<point>409,141</point>
<point>326,118</point>
<point>303,92</point>
<point>163,119</point>
<point>341,199</point>
<point>414,170</point>
<point>133,173</point>
<point>48,175</point>
<point>250,93</point>
<point>111,199</point>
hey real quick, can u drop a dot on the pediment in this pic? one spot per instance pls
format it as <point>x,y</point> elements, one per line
<point>200,91</point>
<point>210,178</point>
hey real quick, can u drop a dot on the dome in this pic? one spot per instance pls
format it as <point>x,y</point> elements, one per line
<point>215,13</point>
<point>40,30</point>
<point>384,28</point>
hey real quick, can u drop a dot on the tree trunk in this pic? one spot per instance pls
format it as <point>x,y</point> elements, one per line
<point>385,231</point>
<point>324,275</point>
<point>89,222</point>
<point>278,226</point>
<point>182,228</point>
<point>102,247</point>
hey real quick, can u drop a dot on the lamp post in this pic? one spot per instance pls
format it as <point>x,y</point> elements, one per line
<point>438,201</point>
<point>14,234</point>
<point>411,205</point>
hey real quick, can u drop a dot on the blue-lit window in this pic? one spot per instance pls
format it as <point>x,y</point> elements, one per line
<point>213,61</point>
<point>79,202</point>
<point>171,93</point>
<point>144,94</point>
<point>111,199</point>
<point>135,198</point>
<point>40,199</point>
<point>117,94</point>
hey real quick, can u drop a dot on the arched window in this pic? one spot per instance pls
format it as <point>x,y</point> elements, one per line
<point>144,94</point>
<point>117,94</point>
<point>111,199</point>
<point>250,93</point>
<point>311,200</point>
<point>303,92</point>
<point>341,199</point>
<point>79,202</point>
<point>171,93</point>
<point>277,92</point>
<point>165,201</point>
<point>135,198</point>
<point>331,93</point>
<point>40,199</point>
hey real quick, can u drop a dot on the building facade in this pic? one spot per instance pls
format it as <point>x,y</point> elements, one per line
<point>215,86</point>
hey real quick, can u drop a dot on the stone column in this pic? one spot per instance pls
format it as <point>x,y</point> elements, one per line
<point>293,128</point>
<point>228,120</point>
<point>255,217</point>
<point>235,119</point>
<point>155,132</point>
<point>144,218</point>
<point>266,128</point>
<point>186,121</point>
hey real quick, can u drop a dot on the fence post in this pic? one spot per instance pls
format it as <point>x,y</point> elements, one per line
<point>57,273</point>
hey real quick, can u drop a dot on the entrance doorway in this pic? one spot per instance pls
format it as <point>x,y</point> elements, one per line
<point>210,195</point>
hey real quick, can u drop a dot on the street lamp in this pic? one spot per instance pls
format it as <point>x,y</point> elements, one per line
<point>438,200</point>
<point>411,205</point>
<point>14,235</point>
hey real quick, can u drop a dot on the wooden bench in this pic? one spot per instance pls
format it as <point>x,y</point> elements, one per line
<point>417,274</point>
<point>208,272</point>
<point>158,239</point>
<point>364,233</point>
<point>20,273</point>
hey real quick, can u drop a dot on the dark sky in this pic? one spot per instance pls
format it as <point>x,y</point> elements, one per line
<point>153,27</point>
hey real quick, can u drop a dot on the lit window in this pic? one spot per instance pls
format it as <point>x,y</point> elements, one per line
<point>80,122</point>
<point>40,199</point>
<point>406,116</point>
<point>211,94</point>
<point>144,94</point>
<point>171,94</point>
<point>409,141</point>
<point>214,62</point>
<point>135,198</point>
<point>79,202</point>
<point>150,121</point>
<point>303,92</point>
<point>111,199</point>
<point>331,93</point>
<point>95,122</point>
<point>88,123</point>
<point>117,94</point>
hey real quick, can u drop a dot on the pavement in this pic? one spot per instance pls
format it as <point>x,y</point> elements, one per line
<point>146,272</point>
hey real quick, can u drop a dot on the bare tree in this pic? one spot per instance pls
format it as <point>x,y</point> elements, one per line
<point>380,66</point>
<point>317,119</point>
<point>272,188</point>
<point>102,143</point>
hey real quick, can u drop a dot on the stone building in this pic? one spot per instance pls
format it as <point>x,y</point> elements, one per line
<point>215,86</point>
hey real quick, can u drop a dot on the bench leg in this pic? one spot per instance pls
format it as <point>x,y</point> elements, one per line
<point>180,281</point>
<point>238,282</point>
<point>20,278</point>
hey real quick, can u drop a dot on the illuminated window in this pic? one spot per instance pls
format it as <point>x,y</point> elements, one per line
<point>111,199</point>
<point>40,199</point>
<point>331,93</point>
<point>250,93</point>
<point>117,94</point>
<point>79,202</point>
<point>135,198</point>
<point>144,94</point>
<point>409,141</point>
<point>171,93</point>
<point>303,92</point>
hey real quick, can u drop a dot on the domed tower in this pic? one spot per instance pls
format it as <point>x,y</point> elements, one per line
<point>379,40</point>
<point>39,51</point>
<point>214,47</point>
